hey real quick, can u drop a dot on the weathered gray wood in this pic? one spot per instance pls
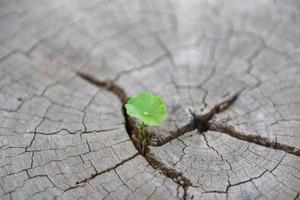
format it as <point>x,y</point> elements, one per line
<point>63,137</point>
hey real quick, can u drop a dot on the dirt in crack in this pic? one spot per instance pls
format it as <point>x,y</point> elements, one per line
<point>255,139</point>
<point>133,132</point>
<point>200,122</point>
<point>203,123</point>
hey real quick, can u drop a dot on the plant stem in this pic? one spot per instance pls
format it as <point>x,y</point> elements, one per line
<point>144,132</point>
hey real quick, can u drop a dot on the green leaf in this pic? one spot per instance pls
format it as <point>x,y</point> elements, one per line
<point>147,108</point>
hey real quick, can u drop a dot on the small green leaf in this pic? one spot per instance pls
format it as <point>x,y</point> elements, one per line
<point>147,108</point>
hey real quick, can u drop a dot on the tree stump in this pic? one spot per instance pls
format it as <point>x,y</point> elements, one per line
<point>228,71</point>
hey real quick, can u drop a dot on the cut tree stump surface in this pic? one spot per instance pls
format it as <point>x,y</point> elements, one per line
<point>229,72</point>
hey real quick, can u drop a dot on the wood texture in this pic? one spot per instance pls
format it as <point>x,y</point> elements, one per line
<point>66,136</point>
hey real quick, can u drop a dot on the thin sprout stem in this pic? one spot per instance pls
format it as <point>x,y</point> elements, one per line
<point>144,132</point>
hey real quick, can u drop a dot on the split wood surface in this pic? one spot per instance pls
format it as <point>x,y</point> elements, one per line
<point>229,72</point>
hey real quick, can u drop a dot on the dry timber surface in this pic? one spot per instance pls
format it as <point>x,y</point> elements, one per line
<point>229,72</point>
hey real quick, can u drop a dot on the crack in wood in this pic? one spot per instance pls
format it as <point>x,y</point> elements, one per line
<point>175,134</point>
<point>133,132</point>
<point>249,180</point>
<point>203,124</point>
<point>256,139</point>
<point>107,170</point>
<point>176,176</point>
<point>199,122</point>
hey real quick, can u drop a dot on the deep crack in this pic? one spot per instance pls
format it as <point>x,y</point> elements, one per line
<point>256,139</point>
<point>133,132</point>
<point>176,176</point>
<point>175,134</point>
<point>200,122</point>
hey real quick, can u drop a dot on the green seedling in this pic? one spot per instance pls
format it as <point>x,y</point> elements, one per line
<point>148,109</point>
